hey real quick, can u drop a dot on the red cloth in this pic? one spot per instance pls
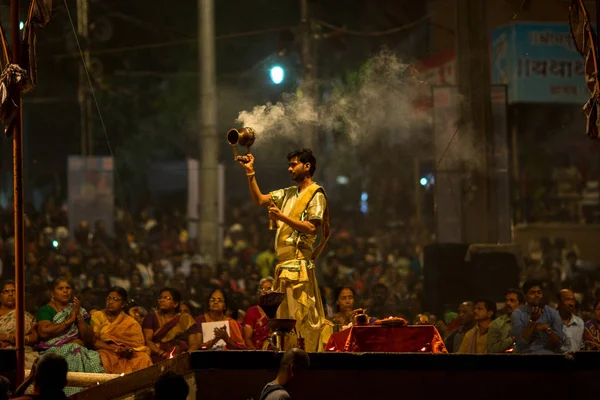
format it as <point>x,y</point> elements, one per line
<point>408,339</point>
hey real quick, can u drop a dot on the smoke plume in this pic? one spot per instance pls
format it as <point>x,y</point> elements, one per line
<point>380,99</point>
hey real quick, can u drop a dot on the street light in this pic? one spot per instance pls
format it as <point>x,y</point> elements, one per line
<point>277,74</point>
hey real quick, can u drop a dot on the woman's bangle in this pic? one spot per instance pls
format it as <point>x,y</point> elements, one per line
<point>251,173</point>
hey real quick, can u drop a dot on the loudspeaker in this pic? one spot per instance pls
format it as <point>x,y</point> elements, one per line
<point>493,273</point>
<point>447,277</point>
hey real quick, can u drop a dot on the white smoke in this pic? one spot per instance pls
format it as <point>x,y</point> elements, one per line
<point>381,99</point>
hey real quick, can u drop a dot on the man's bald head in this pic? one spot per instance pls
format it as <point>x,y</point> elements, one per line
<point>566,300</point>
<point>296,358</point>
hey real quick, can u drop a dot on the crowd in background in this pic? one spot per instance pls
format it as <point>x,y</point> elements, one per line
<point>382,265</point>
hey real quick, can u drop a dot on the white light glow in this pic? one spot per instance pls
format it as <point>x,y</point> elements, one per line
<point>277,74</point>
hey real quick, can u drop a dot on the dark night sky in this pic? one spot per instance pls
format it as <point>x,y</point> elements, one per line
<point>51,113</point>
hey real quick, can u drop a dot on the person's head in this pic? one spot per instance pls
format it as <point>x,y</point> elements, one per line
<point>171,386</point>
<point>571,257</point>
<point>186,308</point>
<point>51,373</point>
<point>116,300</point>
<point>8,294</point>
<point>533,292</point>
<point>301,164</point>
<point>379,293</point>
<point>344,298</point>
<point>485,310</point>
<point>61,291</point>
<point>293,366</point>
<point>135,279</point>
<point>5,392</point>
<point>514,299</point>
<point>597,311</point>
<point>265,285</point>
<point>217,302</point>
<point>169,300</point>
<point>566,300</point>
<point>465,313</point>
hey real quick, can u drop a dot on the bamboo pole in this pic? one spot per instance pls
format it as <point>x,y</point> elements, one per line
<point>86,379</point>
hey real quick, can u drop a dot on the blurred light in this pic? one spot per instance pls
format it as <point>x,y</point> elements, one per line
<point>423,181</point>
<point>342,180</point>
<point>54,244</point>
<point>21,25</point>
<point>364,202</point>
<point>277,74</point>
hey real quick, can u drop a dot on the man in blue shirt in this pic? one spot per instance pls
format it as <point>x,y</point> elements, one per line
<point>537,327</point>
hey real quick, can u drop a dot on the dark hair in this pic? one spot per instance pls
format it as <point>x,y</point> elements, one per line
<point>8,282</point>
<point>336,294</point>
<point>304,156</point>
<point>189,305</point>
<point>489,305</point>
<point>296,357</point>
<point>52,285</point>
<point>174,293</point>
<point>171,386</point>
<point>596,303</point>
<point>224,298</point>
<point>51,373</point>
<point>531,284</point>
<point>122,292</point>
<point>519,293</point>
<point>5,393</point>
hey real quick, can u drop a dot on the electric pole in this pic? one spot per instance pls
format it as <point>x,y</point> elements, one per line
<point>475,122</point>
<point>208,228</point>
<point>85,105</point>
<point>308,83</point>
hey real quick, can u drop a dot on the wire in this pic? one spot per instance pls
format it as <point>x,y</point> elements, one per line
<point>104,130</point>
<point>177,42</point>
<point>343,29</point>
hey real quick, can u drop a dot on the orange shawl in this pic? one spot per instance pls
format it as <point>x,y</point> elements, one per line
<point>123,331</point>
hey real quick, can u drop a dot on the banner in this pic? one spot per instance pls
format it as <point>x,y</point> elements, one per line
<point>539,63</point>
<point>500,175</point>
<point>91,192</point>
<point>448,176</point>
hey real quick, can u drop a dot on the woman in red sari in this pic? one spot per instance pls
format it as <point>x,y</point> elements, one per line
<point>167,331</point>
<point>256,324</point>
<point>217,305</point>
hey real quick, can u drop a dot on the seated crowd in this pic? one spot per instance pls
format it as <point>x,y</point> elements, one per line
<point>121,338</point>
<point>527,325</point>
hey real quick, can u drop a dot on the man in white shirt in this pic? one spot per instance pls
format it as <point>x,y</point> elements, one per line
<point>572,325</point>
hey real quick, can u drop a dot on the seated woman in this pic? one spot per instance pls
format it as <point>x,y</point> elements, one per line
<point>63,328</point>
<point>256,323</point>
<point>217,305</point>
<point>119,337</point>
<point>8,324</point>
<point>167,331</point>
<point>344,305</point>
<point>591,333</point>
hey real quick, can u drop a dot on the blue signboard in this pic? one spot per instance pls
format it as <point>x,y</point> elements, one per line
<point>539,63</point>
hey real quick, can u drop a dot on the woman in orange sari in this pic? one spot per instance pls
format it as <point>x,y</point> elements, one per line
<point>119,337</point>
<point>217,305</point>
<point>167,331</point>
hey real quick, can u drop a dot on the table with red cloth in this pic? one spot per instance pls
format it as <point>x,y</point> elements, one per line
<point>374,338</point>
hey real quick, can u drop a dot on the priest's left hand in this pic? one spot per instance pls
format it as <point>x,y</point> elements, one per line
<point>274,212</point>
